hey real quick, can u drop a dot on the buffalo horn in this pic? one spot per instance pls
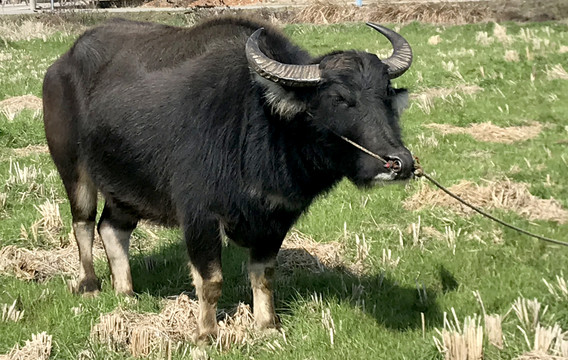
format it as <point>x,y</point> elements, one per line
<point>286,74</point>
<point>401,57</point>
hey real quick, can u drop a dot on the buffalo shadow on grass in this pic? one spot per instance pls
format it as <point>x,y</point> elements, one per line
<point>164,272</point>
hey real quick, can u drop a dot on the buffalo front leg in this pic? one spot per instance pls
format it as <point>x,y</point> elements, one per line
<point>261,274</point>
<point>115,227</point>
<point>204,248</point>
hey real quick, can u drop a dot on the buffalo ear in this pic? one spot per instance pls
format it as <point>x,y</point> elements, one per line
<point>400,100</point>
<point>282,100</point>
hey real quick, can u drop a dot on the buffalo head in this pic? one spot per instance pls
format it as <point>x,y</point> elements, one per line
<point>345,94</point>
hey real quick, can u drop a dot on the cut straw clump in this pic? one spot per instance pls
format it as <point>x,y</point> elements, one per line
<point>13,106</point>
<point>30,150</point>
<point>11,312</point>
<point>552,340</point>
<point>145,334</point>
<point>528,312</point>
<point>492,133</point>
<point>460,342</point>
<point>494,330</point>
<point>550,343</point>
<point>39,264</point>
<point>556,72</point>
<point>28,29</point>
<point>38,348</point>
<point>511,56</point>
<point>50,224</point>
<point>559,289</point>
<point>425,98</point>
<point>326,12</point>
<point>299,251</point>
<point>502,194</point>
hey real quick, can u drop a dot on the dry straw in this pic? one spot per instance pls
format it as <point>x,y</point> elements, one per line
<point>38,348</point>
<point>551,339</point>
<point>460,342</point>
<point>556,72</point>
<point>550,343</point>
<point>325,12</point>
<point>41,264</point>
<point>502,194</point>
<point>511,56</point>
<point>50,224</point>
<point>299,251</point>
<point>494,330</point>
<point>558,290</point>
<point>13,106</point>
<point>425,98</point>
<point>492,133</point>
<point>11,313</point>
<point>528,312</point>
<point>145,334</point>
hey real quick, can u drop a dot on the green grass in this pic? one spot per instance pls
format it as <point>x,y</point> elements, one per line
<point>388,326</point>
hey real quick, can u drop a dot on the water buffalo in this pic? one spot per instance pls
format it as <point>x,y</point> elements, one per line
<point>225,126</point>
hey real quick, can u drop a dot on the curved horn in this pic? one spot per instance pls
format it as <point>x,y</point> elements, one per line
<point>401,57</point>
<point>286,74</point>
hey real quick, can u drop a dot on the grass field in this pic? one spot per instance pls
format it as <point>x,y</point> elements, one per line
<point>403,254</point>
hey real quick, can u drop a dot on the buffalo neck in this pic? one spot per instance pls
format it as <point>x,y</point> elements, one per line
<point>288,157</point>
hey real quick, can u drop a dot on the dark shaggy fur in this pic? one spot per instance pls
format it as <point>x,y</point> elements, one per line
<point>172,125</point>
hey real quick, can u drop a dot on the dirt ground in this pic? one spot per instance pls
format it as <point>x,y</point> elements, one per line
<point>334,11</point>
<point>199,3</point>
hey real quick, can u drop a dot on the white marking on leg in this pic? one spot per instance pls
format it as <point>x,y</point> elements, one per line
<point>208,293</point>
<point>84,235</point>
<point>261,280</point>
<point>116,244</point>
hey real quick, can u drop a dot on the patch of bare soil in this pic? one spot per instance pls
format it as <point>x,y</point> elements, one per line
<point>144,334</point>
<point>492,133</point>
<point>38,348</point>
<point>504,194</point>
<point>39,264</point>
<point>12,106</point>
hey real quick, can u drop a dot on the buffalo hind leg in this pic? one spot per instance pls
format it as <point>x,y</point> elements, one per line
<point>261,273</point>
<point>60,121</point>
<point>82,195</point>
<point>204,248</point>
<point>115,227</point>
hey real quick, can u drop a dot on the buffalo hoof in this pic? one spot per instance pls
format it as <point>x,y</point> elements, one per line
<point>271,332</point>
<point>86,287</point>
<point>204,338</point>
<point>130,293</point>
<point>273,325</point>
<point>199,353</point>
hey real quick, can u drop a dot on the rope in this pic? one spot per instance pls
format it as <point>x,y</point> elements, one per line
<point>419,172</point>
<point>365,150</point>
<point>543,238</point>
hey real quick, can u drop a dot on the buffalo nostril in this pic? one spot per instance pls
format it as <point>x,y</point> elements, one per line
<point>394,165</point>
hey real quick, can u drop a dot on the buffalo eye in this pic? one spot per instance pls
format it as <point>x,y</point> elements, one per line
<point>340,101</point>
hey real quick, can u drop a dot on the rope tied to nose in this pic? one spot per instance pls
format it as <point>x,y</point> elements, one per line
<point>419,172</point>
